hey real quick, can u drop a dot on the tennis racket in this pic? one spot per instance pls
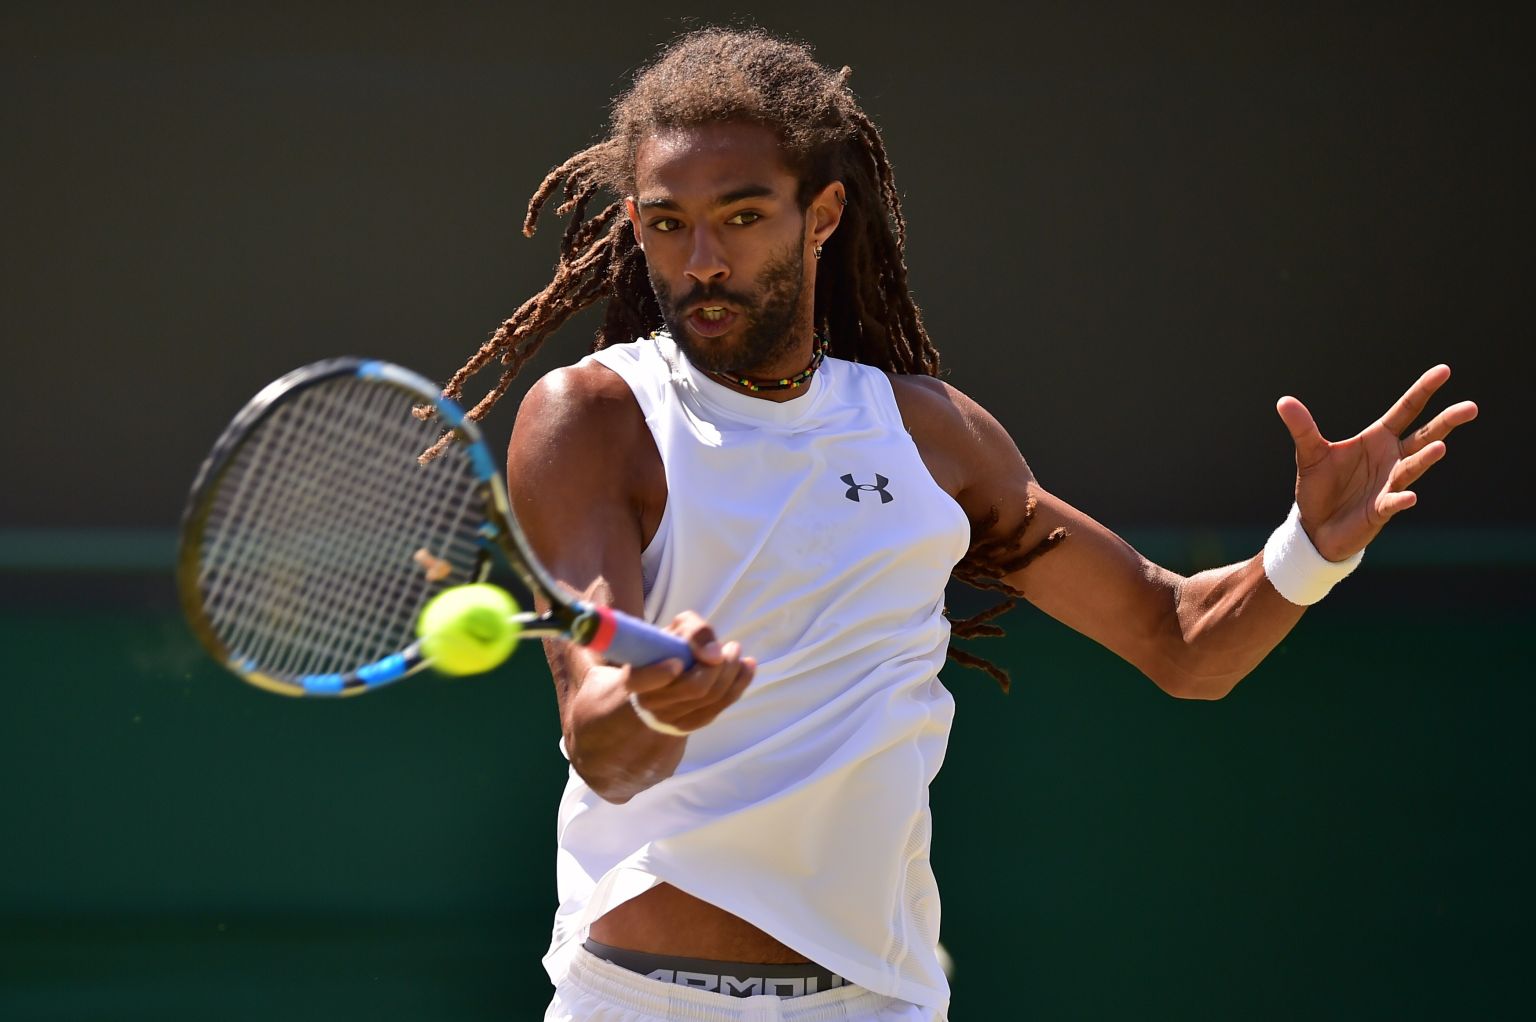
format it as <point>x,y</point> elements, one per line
<point>314,536</point>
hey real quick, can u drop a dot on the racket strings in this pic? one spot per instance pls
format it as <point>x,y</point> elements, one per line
<point>268,601</point>
<point>308,547</point>
<point>406,515</point>
<point>347,622</point>
<point>423,509</point>
<point>275,610</point>
<point>364,611</point>
<point>338,626</point>
<point>234,594</point>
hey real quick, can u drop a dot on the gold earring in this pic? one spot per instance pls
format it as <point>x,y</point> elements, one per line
<point>817,250</point>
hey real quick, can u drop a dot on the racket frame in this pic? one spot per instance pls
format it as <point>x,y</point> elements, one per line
<point>566,617</point>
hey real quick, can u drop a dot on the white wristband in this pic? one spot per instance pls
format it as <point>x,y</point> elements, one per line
<point>1295,568</point>
<point>651,721</point>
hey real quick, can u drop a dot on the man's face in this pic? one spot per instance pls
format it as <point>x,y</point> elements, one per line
<point>725,246</point>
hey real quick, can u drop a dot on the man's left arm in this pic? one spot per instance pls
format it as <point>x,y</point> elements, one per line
<point>1195,637</point>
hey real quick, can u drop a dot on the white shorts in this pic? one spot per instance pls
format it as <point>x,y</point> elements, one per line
<point>599,991</point>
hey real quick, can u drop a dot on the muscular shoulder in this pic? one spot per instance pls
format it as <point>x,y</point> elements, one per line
<point>959,440</point>
<point>581,428</point>
<point>967,451</point>
<point>938,411</point>
<point>582,397</point>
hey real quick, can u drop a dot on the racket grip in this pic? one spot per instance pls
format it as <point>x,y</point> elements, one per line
<point>628,640</point>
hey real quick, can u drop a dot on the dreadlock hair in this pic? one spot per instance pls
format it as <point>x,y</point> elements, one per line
<point>863,304</point>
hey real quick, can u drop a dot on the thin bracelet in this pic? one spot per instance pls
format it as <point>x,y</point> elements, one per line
<point>651,721</point>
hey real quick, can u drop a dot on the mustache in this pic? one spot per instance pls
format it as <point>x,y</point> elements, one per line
<point>713,293</point>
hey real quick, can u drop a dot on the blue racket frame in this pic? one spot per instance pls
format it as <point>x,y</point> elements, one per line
<point>617,636</point>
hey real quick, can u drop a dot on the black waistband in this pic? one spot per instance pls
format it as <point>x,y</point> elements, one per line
<point>738,979</point>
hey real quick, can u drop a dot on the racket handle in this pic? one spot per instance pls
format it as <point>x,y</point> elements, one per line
<point>628,640</point>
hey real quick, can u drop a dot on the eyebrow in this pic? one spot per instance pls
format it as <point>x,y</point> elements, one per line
<point>736,195</point>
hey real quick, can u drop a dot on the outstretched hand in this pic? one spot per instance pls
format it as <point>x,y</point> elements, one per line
<point>1347,490</point>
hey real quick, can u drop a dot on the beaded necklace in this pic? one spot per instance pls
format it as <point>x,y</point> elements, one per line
<point>817,358</point>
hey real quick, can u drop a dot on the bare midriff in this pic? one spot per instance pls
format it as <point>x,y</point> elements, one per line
<point>666,921</point>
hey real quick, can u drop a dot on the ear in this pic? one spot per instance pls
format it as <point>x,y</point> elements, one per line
<point>825,212</point>
<point>633,212</point>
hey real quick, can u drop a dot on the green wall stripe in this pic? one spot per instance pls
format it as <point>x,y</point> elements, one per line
<point>151,550</point>
<point>87,550</point>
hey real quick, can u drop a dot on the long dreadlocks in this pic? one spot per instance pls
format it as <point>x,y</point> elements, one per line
<point>863,304</point>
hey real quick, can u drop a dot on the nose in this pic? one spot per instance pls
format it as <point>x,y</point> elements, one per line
<point>706,259</point>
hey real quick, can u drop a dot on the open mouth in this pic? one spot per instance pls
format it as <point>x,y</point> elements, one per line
<point>711,320</point>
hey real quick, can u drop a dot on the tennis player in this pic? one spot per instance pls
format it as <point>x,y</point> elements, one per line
<point>760,456</point>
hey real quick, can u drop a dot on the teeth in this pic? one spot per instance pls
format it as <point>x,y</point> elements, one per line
<point>712,314</point>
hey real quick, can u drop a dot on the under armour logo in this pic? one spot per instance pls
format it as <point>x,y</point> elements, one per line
<point>881,482</point>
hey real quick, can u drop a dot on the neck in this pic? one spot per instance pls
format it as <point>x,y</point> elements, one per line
<point>783,388</point>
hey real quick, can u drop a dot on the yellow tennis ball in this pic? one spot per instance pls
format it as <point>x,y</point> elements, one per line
<point>468,629</point>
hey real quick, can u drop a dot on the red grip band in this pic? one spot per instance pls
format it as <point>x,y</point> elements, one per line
<point>607,628</point>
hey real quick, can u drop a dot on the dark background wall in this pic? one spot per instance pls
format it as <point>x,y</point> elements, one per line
<point>1133,227</point>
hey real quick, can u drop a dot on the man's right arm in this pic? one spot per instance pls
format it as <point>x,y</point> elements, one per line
<point>587,487</point>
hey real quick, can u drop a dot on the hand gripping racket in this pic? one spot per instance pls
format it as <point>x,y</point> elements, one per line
<point>314,536</point>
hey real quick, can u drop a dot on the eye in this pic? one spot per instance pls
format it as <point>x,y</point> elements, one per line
<point>745,217</point>
<point>665,225</point>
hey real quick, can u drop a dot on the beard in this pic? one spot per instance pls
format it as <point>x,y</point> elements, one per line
<point>771,313</point>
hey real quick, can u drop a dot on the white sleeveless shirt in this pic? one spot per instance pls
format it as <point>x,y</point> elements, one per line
<point>811,532</point>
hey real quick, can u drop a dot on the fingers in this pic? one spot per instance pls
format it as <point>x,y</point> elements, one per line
<point>653,677</point>
<point>696,718</point>
<point>697,696</point>
<point>1389,504</point>
<point>704,684</point>
<point>1439,427</point>
<point>1310,445</point>
<point>706,651</point>
<point>688,700</point>
<point>1408,470</point>
<point>1408,407</point>
<point>1397,497</point>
